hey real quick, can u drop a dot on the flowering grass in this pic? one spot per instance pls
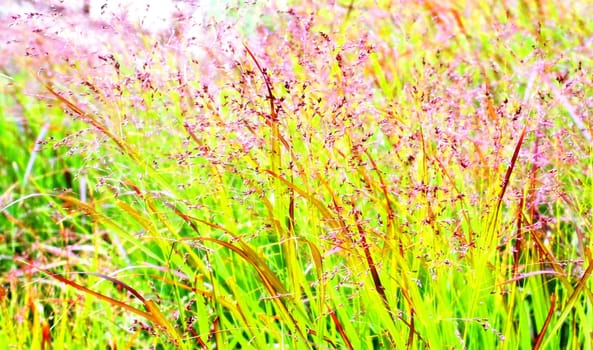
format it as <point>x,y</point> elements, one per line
<point>358,175</point>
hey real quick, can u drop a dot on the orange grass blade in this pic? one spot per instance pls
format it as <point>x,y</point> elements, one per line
<point>568,307</point>
<point>215,331</point>
<point>540,336</point>
<point>110,300</point>
<point>91,120</point>
<point>507,176</point>
<point>272,283</point>
<point>340,329</point>
<point>273,113</point>
<point>324,211</point>
<point>161,320</point>
<point>154,314</point>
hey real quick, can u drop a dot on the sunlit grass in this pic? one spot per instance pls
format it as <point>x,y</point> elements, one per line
<point>362,176</point>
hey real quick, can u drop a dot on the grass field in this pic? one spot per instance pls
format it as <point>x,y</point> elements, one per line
<point>357,175</point>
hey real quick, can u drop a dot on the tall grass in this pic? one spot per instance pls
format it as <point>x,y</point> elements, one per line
<point>358,175</point>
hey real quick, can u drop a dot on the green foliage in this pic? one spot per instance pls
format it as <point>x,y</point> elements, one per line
<point>369,175</point>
